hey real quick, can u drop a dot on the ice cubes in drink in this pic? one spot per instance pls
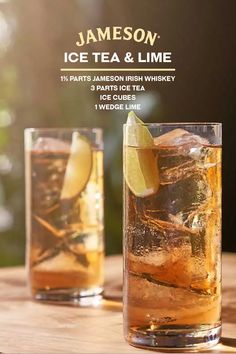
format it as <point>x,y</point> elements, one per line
<point>50,144</point>
<point>67,219</point>
<point>174,219</point>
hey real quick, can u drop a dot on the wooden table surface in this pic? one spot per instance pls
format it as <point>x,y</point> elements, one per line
<point>31,327</point>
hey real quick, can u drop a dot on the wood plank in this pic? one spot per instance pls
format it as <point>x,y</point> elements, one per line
<point>31,328</point>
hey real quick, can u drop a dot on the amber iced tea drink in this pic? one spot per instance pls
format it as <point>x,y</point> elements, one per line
<point>172,234</point>
<point>64,213</point>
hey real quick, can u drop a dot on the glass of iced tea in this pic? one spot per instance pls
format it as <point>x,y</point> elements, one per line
<point>64,213</point>
<point>172,234</point>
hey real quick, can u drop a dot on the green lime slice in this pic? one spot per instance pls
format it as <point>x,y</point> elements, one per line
<point>140,162</point>
<point>78,168</point>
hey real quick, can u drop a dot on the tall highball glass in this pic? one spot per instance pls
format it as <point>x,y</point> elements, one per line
<point>64,213</point>
<point>172,235</point>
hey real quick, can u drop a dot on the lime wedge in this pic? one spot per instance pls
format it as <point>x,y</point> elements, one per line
<point>136,132</point>
<point>140,162</point>
<point>78,168</point>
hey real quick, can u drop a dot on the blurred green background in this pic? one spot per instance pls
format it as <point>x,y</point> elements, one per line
<point>33,37</point>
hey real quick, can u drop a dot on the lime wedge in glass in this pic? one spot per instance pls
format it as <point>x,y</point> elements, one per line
<point>140,162</point>
<point>78,168</point>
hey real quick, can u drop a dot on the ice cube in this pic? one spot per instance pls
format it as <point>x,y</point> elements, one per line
<point>154,302</point>
<point>64,262</point>
<point>170,138</point>
<point>179,137</point>
<point>180,155</point>
<point>177,197</point>
<point>51,144</point>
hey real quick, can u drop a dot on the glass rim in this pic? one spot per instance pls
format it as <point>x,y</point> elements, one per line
<point>61,129</point>
<point>191,124</point>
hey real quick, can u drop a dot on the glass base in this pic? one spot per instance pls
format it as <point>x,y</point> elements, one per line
<point>90,297</point>
<point>178,340</point>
